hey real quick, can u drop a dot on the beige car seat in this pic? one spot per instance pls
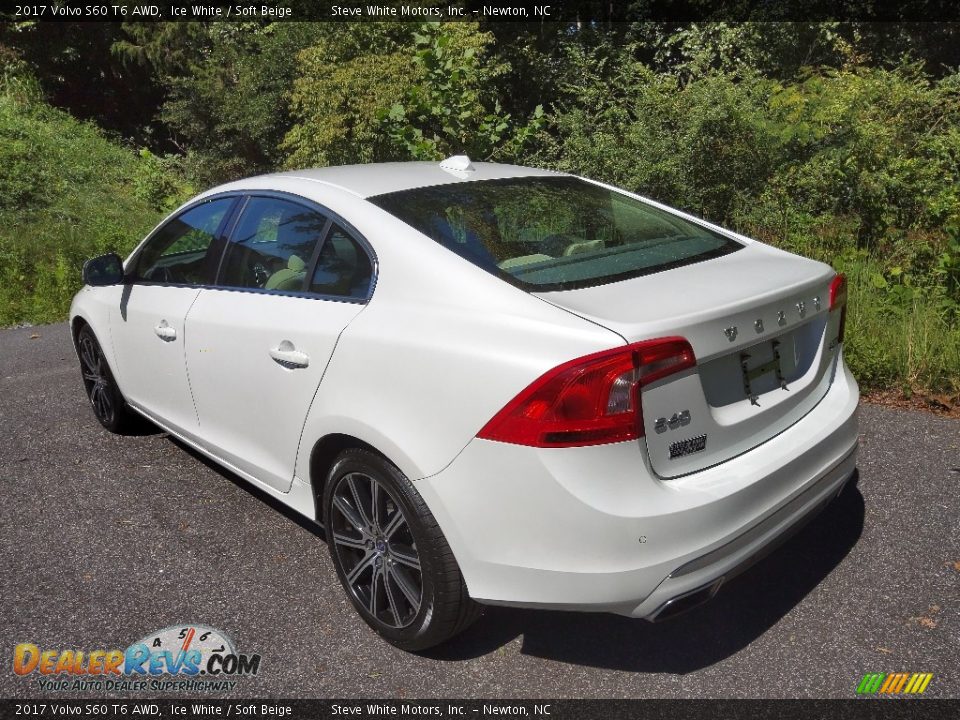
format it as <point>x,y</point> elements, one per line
<point>290,277</point>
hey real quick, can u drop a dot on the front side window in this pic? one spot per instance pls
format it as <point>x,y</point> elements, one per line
<point>183,251</point>
<point>553,233</point>
<point>273,246</point>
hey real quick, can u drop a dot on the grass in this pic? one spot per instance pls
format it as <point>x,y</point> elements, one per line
<point>913,348</point>
<point>67,193</point>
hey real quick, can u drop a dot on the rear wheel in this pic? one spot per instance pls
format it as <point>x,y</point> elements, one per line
<point>390,555</point>
<point>107,402</point>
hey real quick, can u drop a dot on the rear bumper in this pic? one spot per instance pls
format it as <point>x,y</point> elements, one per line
<point>594,529</point>
<point>699,579</point>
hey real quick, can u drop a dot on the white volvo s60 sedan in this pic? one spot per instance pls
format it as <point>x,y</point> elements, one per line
<point>490,384</point>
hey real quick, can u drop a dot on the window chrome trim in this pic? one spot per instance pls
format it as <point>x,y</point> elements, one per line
<point>232,219</point>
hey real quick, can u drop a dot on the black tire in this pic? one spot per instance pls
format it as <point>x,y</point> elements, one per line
<point>381,554</point>
<point>106,400</point>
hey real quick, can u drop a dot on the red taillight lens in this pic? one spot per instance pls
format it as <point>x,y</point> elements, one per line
<point>591,400</point>
<point>838,300</point>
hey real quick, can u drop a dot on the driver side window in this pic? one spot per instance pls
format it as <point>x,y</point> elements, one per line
<point>272,246</point>
<point>178,252</point>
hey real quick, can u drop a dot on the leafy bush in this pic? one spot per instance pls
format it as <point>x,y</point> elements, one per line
<point>345,83</point>
<point>705,146</point>
<point>66,194</point>
<point>453,108</point>
<point>384,91</point>
<point>227,89</point>
<point>857,166</point>
<point>855,161</point>
<point>159,180</point>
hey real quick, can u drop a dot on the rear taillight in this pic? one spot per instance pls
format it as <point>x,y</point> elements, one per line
<point>838,301</point>
<point>591,400</point>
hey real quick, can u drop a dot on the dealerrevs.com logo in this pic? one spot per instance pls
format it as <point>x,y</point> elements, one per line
<point>181,657</point>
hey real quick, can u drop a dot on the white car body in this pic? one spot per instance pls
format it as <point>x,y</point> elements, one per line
<point>441,346</point>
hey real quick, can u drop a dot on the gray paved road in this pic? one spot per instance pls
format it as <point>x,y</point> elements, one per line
<point>106,538</point>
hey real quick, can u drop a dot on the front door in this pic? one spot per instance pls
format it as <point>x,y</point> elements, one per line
<point>147,328</point>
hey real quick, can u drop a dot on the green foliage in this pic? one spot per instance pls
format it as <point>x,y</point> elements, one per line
<point>66,194</point>
<point>898,335</point>
<point>73,65</point>
<point>857,166</point>
<point>227,89</point>
<point>344,83</point>
<point>840,141</point>
<point>382,91</point>
<point>705,146</point>
<point>454,108</point>
<point>776,49</point>
<point>880,146</point>
<point>159,181</point>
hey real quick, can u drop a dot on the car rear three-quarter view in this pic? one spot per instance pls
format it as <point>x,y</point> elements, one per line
<point>490,384</point>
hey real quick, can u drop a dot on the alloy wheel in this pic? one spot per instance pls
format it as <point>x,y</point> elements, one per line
<point>96,380</point>
<point>376,550</point>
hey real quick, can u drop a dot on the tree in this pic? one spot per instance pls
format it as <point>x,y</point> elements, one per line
<point>227,89</point>
<point>454,107</point>
<point>343,83</point>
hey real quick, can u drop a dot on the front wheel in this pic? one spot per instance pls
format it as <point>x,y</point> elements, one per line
<point>107,402</point>
<point>390,554</point>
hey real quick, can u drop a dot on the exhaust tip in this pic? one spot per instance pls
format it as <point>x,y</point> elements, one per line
<point>686,602</point>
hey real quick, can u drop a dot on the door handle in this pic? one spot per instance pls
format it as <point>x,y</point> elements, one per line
<point>165,332</point>
<point>288,356</point>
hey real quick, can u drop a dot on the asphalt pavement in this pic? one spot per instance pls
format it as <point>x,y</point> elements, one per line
<point>107,538</point>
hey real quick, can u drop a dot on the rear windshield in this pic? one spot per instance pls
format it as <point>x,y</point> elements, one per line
<point>553,233</point>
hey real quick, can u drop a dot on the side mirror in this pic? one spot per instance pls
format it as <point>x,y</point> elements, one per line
<point>103,270</point>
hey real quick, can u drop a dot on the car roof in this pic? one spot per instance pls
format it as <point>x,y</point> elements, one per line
<point>380,178</point>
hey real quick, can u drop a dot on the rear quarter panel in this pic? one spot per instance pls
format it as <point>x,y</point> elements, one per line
<point>441,347</point>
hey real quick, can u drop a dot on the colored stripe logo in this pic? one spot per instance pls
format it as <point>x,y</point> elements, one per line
<point>894,683</point>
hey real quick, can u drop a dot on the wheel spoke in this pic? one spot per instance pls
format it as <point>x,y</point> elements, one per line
<point>90,356</point>
<point>85,354</point>
<point>92,377</point>
<point>378,503</point>
<point>358,503</point>
<point>394,524</point>
<point>365,562</point>
<point>351,515</point>
<point>100,400</point>
<point>409,589</point>
<point>391,600</point>
<point>373,604</point>
<point>351,542</point>
<point>406,557</point>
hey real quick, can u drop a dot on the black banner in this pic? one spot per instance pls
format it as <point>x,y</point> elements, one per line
<point>860,709</point>
<point>581,12</point>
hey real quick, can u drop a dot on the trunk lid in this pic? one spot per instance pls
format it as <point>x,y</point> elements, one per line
<point>765,341</point>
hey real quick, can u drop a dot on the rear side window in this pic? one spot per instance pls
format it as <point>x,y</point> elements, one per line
<point>343,268</point>
<point>272,246</point>
<point>183,251</point>
<point>554,233</point>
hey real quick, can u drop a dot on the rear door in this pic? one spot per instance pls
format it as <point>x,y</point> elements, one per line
<point>290,281</point>
<point>147,327</point>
